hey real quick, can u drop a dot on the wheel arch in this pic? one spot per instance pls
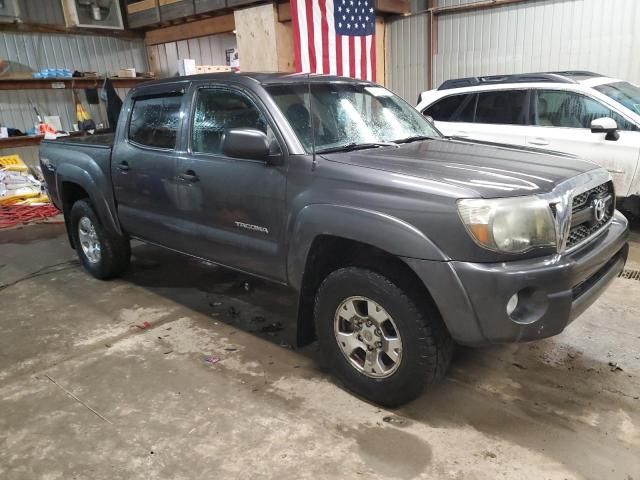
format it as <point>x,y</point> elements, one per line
<point>75,183</point>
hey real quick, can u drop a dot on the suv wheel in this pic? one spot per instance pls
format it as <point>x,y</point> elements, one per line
<point>376,339</point>
<point>102,254</point>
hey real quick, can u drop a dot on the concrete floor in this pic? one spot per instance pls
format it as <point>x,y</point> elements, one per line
<point>212,389</point>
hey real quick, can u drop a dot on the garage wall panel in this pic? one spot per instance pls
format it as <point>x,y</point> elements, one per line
<point>407,50</point>
<point>31,52</point>
<point>539,36</point>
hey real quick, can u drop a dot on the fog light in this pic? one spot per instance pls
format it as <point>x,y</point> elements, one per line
<point>512,304</point>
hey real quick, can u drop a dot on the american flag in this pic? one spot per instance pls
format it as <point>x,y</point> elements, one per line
<point>335,37</point>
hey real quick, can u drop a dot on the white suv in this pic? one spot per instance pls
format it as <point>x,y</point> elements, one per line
<point>582,113</point>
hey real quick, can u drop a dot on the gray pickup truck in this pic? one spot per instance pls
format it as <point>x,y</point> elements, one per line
<point>397,241</point>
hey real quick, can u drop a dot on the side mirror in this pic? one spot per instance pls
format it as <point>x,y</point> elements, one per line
<point>606,125</point>
<point>245,143</point>
<point>429,118</point>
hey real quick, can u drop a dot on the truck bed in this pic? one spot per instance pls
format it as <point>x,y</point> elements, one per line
<point>103,140</point>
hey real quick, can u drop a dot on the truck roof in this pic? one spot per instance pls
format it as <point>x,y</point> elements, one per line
<point>263,78</point>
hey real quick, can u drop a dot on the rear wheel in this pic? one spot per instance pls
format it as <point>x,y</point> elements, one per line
<point>378,342</point>
<point>102,254</point>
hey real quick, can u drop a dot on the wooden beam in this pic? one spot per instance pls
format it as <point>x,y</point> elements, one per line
<point>185,31</point>
<point>393,6</point>
<point>381,6</point>
<point>482,5</point>
<point>23,141</point>
<point>66,83</point>
<point>284,12</point>
<point>62,30</point>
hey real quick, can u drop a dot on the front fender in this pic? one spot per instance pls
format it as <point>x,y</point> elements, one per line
<point>97,185</point>
<point>377,229</point>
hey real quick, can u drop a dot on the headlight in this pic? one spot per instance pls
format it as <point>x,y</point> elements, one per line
<point>512,225</point>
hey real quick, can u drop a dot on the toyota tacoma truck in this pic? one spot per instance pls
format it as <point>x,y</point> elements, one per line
<point>398,242</point>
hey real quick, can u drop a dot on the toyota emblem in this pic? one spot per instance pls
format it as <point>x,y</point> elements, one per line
<point>599,206</point>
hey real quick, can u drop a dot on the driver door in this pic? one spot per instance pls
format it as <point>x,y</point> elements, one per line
<point>562,122</point>
<point>233,208</point>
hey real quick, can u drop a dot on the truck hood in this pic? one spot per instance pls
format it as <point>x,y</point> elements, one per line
<point>489,170</point>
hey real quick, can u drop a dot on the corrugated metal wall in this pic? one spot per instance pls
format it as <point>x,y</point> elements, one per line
<point>28,52</point>
<point>538,36</point>
<point>205,51</point>
<point>407,50</point>
<point>86,53</point>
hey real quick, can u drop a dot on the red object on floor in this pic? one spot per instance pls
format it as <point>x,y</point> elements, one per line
<point>12,215</point>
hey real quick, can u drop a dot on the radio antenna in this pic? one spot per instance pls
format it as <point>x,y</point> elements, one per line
<point>311,125</point>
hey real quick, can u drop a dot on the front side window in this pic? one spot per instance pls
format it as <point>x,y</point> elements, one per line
<point>504,107</point>
<point>218,110</point>
<point>348,115</point>
<point>624,93</point>
<point>557,108</point>
<point>155,120</point>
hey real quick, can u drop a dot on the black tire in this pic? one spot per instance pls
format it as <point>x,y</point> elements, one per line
<point>115,250</point>
<point>427,347</point>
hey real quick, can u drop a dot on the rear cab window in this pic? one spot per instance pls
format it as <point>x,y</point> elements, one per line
<point>155,121</point>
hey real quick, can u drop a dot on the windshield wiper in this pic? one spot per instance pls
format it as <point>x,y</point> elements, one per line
<point>356,146</point>
<point>414,138</point>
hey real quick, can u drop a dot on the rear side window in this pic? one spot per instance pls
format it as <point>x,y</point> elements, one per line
<point>504,107</point>
<point>154,121</point>
<point>447,109</point>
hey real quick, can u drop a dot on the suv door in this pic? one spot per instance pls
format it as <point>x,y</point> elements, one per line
<point>233,207</point>
<point>452,113</point>
<point>501,116</point>
<point>143,167</point>
<point>562,121</point>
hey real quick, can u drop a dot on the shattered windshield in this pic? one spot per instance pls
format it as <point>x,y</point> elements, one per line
<point>349,116</point>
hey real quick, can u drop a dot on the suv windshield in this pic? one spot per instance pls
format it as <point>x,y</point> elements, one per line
<point>624,93</point>
<point>349,116</point>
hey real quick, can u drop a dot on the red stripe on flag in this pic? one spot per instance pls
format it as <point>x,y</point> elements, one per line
<point>373,58</point>
<point>325,37</point>
<point>312,45</point>
<point>339,55</point>
<point>296,36</point>
<point>363,57</point>
<point>352,57</point>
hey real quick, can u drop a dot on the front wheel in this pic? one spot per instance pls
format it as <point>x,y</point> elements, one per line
<point>378,342</point>
<point>103,254</point>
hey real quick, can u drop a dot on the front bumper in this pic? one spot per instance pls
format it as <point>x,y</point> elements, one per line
<point>553,291</point>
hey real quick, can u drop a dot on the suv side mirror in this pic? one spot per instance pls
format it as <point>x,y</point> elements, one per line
<point>245,143</point>
<point>606,125</point>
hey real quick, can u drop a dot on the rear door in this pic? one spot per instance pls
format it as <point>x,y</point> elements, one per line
<point>501,116</point>
<point>233,208</point>
<point>143,167</point>
<point>453,114</point>
<point>562,121</point>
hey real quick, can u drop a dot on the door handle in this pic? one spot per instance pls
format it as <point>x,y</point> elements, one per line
<point>538,141</point>
<point>461,134</point>
<point>189,176</point>
<point>124,167</point>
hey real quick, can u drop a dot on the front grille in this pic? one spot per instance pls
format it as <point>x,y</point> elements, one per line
<point>585,222</point>
<point>582,200</point>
